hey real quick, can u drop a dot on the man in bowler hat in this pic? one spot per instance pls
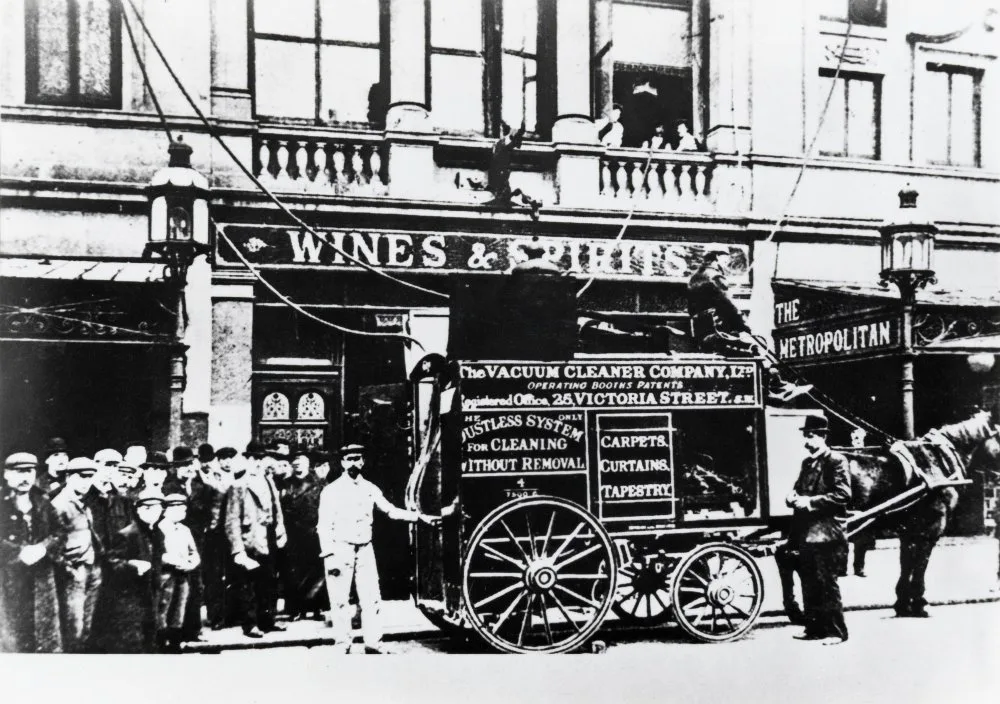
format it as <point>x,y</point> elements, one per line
<point>819,501</point>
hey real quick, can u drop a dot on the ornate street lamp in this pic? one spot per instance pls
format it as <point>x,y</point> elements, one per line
<point>907,261</point>
<point>178,213</point>
<point>178,233</point>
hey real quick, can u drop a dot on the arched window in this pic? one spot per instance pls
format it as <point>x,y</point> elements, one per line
<point>275,407</point>
<point>311,407</point>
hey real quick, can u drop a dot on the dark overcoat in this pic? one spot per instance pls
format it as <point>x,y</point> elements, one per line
<point>826,480</point>
<point>127,623</point>
<point>29,607</point>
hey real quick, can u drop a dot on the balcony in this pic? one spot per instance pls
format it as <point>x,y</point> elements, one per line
<point>320,162</point>
<point>679,182</point>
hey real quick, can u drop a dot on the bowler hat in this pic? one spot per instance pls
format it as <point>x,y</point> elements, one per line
<point>254,449</point>
<point>80,465</point>
<point>226,453</point>
<point>156,460</point>
<point>183,455</point>
<point>55,446</point>
<point>206,453</point>
<point>714,251</point>
<point>319,454</point>
<point>21,460</point>
<point>149,496</point>
<point>279,450</point>
<point>818,425</point>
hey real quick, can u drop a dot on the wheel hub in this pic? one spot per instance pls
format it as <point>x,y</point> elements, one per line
<point>719,593</point>
<point>541,576</point>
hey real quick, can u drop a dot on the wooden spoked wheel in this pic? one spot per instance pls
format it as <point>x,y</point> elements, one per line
<point>717,592</point>
<point>643,592</point>
<point>539,576</point>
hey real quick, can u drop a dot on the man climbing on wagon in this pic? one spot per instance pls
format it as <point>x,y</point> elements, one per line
<point>718,325</point>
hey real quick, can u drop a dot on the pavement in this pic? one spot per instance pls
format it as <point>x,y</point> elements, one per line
<point>961,571</point>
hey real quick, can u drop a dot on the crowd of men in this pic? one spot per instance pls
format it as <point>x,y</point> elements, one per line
<point>138,552</point>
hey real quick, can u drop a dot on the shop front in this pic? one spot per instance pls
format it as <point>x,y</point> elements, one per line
<point>314,384</point>
<point>847,340</point>
<point>87,351</point>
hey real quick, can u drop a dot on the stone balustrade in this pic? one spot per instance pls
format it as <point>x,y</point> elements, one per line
<point>668,181</point>
<point>321,162</point>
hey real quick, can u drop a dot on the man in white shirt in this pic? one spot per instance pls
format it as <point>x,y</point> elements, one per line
<point>346,509</point>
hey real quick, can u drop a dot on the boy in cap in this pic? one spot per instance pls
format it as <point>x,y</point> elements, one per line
<point>78,575</point>
<point>819,500</point>
<point>29,605</point>
<point>55,457</point>
<point>179,561</point>
<point>128,623</point>
<point>346,510</point>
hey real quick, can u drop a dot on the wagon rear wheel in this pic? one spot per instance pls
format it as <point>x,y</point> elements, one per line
<point>643,592</point>
<point>717,592</point>
<point>539,576</point>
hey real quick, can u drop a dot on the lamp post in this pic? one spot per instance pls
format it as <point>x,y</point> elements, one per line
<point>178,233</point>
<point>907,260</point>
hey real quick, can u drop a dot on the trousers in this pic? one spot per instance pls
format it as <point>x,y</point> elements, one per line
<point>77,589</point>
<point>347,563</point>
<point>255,592</point>
<point>824,611</point>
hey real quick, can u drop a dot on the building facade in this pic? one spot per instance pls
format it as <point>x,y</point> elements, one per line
<point>375,121</point>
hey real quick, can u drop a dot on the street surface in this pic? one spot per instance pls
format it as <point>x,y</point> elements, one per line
<point>951,657</point>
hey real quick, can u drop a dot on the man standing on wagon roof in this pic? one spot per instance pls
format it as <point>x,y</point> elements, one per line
<point>346,510</point>
<point>819,500</point>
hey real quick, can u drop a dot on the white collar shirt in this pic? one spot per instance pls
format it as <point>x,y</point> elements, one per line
<point>346,510</point>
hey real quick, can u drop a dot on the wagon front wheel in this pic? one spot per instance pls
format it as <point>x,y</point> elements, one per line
<point>539,576</point>
<point>718,591</point>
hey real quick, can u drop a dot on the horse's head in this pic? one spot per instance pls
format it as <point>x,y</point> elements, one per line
<point>978,441</point>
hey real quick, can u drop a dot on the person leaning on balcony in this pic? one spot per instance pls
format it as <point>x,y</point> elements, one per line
<point>612,131</point>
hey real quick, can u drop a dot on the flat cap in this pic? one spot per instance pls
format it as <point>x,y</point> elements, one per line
<point>21,460</point>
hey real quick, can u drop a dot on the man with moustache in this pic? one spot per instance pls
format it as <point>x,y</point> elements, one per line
<point>255,529</point>
<point>29,603</point>
<point>346,511</point>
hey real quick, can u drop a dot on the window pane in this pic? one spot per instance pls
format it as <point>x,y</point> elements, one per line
<point>457,92</point>
<point>650,35</point>
<point>520,25</point>
<point>456,25</point>
<point>351,20</point>
<point>53,49</point>
<point>349,77</point>
<point>934,117</point>
<point>295,18</point>
<point>286,79</point>
<point>831,138</point>
<point>275,407</point>
<point>963,120</point>
<point>311,407</point>
<point>95,48</point>
<point>519,90</point>
<point>861,119</point>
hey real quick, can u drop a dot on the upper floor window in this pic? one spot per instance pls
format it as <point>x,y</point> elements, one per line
<point>487,59</point>
<point>73,53</point>
<point>852,123</point>
<point>871,13</point>
<point>951,107</point>
<point>320,60</point>
<point>651,83</point>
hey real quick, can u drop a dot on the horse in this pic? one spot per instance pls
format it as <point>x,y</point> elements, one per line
<point>879,475</point>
